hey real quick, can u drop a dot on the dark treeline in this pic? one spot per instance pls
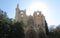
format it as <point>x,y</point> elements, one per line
<point>55,33</point>
<point>9,28</point>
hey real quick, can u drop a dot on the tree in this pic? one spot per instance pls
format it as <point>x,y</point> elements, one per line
<point>46,27</point>
<point>3,25</point>
<point>19,31</point>
<point>9,28</point>
<point>55,33</point>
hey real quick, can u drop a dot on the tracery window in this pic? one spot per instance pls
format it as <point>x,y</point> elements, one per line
<point>30,22</point>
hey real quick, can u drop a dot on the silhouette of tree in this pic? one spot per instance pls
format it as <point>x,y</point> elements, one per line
<point>47,31</point>
<point>10,29</point>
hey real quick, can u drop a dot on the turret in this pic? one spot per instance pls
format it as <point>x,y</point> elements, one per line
<point>17,5</point>
<point>17,13</point>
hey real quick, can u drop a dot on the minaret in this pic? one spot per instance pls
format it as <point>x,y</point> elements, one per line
<point>17,13</point>
<point>17,5</point>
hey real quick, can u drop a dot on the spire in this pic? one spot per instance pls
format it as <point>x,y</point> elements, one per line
<point>17,5</point>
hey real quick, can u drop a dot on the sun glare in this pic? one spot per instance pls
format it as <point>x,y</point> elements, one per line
<point>37,6</point>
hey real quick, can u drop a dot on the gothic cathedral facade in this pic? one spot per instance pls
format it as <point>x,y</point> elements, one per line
<point>34,25</point>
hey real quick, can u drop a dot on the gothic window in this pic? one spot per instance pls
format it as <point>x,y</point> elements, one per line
<point>37,13</point>
<point>30,22</point>
<point>38,25</point>
<point>21,12</point>
<point>21,15</point>
<point>31,35</point>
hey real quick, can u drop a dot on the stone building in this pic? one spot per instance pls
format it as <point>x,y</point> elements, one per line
<point>33,24</point>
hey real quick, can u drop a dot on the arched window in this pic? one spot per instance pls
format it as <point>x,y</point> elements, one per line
<point>21,13</point>
<point>31,34</point>
<point>37,13</point>
<point>30,22</point>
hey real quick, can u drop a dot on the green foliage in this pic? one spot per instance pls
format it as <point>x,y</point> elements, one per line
<point>8,29</point>
<point>19,30</point>
<point>55,33</point>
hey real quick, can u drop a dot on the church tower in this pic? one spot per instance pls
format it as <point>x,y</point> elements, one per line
<point>20,15</point>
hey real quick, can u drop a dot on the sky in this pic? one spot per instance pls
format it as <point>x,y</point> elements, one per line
<point>52,11</point>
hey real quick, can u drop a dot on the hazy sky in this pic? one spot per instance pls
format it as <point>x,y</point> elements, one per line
<point>52,16</point>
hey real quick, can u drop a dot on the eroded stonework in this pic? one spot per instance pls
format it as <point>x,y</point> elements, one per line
<point>33,24</point>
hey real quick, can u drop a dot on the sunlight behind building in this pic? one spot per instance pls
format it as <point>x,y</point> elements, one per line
<point>37,6</point>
